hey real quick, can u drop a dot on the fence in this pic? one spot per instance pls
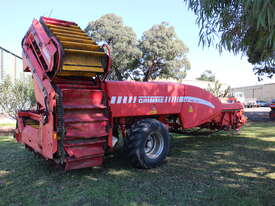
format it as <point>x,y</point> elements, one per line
<point>11,65</point>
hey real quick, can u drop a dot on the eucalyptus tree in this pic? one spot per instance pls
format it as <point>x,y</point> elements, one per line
<point>241,26</point>
<point>164,55</point>
<point>122,41</point>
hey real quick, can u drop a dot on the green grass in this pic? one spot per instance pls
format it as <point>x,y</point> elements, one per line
<point>220,169</point>
<point>7,124</point>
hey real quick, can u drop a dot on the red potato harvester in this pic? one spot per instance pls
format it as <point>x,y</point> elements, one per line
<point>80,114</point>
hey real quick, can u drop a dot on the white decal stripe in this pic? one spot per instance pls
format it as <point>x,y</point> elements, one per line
<point>119,99</point>
<point>125,99</point>
<point>198,101</point>
<point>130,99</point>
<point>113,100</point>
<point>160,99</point>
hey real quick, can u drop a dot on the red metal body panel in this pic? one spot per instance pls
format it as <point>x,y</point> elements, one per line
<point>129,98</point>
<point>202,109</point>
<point>86,130</point>
<point>84,116</point>
<point>40,138</point>
<point>195,106</point>
<point>38,34</point>
<point>84,97</point>
<point>58,21</point>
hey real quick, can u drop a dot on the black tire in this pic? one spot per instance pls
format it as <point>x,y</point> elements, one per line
<point>148,143</point>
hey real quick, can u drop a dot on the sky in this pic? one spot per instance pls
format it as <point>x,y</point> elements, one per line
<point>16,17</point>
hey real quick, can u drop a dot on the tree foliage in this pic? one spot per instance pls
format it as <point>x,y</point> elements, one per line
<point>15,96</point>
<point>163,53</point>
<point>122,41</point>
<point>243,26</point>
<point>159,52</point>
<point>218,90</point>
<point>207,75</point>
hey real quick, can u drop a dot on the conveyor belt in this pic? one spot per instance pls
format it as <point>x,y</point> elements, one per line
<point>82,56</point>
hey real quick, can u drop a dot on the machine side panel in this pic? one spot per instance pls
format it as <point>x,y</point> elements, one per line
<point>129,98</point>
<point>195,106</point>
<point>200,107</point>
<point>39,133</point>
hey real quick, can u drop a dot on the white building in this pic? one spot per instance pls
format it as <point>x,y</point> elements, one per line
<point>264,92</point>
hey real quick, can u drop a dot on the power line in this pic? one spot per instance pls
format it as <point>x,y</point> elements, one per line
<point>1,48</point>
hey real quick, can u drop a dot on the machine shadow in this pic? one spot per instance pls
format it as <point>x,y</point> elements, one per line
<point>199,169</point>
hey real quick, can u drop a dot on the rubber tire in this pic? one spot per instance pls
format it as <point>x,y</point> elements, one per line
<point>139,132</point>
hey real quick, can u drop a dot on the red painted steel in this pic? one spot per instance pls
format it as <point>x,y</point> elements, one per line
<point>84,116</point>
<point>73,163</point>
<point>74,122</point>
<point>195,106</point>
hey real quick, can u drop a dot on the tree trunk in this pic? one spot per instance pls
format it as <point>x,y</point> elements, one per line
<point>148,73</point>
<point>118,74</point>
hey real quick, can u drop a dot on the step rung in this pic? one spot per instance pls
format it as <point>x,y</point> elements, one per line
<point>95,89</point>
<point>76,74</point>
<point>78,45</point>
<point>69,143</point>
<point>82,68</point>
<point>70,28</point>
<point>83,107</point>
<point>85,52</point>
<point>80,33</point>
<point>79,87</point>
<point>83,151</point>
<point>58,35</point>
<point>54,21</point>
<point>85,41</point>
<point>73,84</point>
<point>72,120</point>
<point>76,163</point>
<point>74,138</point>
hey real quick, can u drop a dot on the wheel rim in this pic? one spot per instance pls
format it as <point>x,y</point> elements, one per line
<point>154,145</point>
